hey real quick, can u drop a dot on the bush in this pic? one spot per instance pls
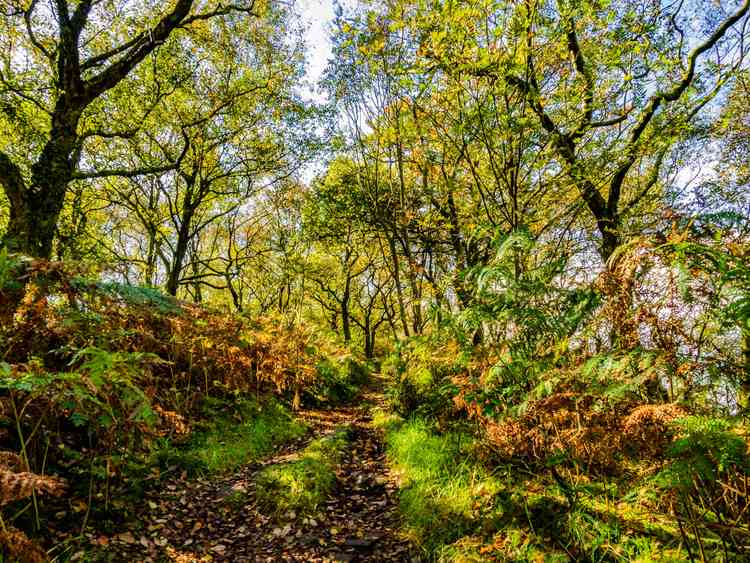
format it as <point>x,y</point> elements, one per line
<point>706,483</point>
<point>106,384</point>
<point>338,380</point>
<point>421,377</point>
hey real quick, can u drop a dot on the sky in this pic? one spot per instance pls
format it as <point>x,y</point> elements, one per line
<point>317,16</point>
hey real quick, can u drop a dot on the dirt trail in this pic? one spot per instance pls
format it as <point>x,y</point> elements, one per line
<point>193,520</point>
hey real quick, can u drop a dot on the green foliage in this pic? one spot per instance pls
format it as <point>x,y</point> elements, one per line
<point>730,272</point>
<point>706,449</point>
<point>134,295</point>
<point>234,433</point>
<point>338,380</point>
<point>510,291</point>
<point>105,393</point>
<point>301,486</point>
<point>419,370</point>
<point>706,479</point>
<point>8,271</point>
<point>459,511</point>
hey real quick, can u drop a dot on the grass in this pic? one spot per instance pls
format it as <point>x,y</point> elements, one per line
<point>232,438</point>
<point>458,510</point>
<point>443,495</point>
<point>302,485</point>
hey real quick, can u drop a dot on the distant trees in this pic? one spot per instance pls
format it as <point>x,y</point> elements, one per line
<point>540,140</point>
<point>561,121</point>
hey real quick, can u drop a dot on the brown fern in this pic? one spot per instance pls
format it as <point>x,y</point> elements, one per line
<point>16,546</point>
<point>16,486</point>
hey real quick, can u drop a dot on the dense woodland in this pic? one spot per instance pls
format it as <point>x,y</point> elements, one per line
<point>481,293</point>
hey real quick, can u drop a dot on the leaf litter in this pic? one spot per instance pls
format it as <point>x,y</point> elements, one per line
<point>217,519</point>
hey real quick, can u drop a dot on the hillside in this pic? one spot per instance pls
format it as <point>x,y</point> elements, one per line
<point>454,281</point>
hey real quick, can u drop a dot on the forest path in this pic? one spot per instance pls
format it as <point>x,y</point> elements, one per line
<point>193,521</point>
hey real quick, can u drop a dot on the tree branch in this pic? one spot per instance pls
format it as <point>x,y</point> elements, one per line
<point>583,69</point>
<point>138,50</point>
<point>30,31</point>
<point>222,11</point>
<point>133,172</point>
<point>665,97</point>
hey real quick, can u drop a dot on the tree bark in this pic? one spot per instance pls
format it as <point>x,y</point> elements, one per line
<point>35,207</point>
<point>183,239</point>
<point>345,315</point>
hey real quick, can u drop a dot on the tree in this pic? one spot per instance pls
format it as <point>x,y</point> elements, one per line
<point>58,66</point>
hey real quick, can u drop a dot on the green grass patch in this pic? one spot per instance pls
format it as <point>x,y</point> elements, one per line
<point>458,510</point>
<point>443,495</point>
<point>302,485</point>
<point>232,437</point>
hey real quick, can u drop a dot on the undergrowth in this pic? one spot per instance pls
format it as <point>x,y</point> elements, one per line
<point>230,437</point>
<point>457,509</point>
<point>301,486</point>
<point>106,388</point>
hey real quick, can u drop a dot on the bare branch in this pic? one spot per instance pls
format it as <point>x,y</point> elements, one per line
<point>133,172</point>
<point>30,31</point>
<point>222,11</point>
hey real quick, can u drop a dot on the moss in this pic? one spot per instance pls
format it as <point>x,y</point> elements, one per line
<point>302,485</point>
<point>232,438</point>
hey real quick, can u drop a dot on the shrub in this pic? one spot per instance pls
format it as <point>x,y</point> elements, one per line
<point>421,377</point>
<point>706,482</point>
<point>591,430</point>
<point>103,380</point>
<point>337,380</point>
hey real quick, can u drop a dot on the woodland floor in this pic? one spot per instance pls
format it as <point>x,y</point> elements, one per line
<point>191,520</point>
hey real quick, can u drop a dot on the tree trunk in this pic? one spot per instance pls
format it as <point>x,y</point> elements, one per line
<point>150,272</point>
<point>236,297</point>
<point>369,343</point>
<point>345,316</point>
<point>197,290</point>
<point>173,281</point>
<point>35,208</point>
<point>183,234</point>
<point>397,282</point>
<point>334,321</point>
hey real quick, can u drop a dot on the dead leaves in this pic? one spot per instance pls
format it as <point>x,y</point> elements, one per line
<point>16,546</point>
<point>19,485</point>
<point>586,427</point>
<point>218,519</point>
